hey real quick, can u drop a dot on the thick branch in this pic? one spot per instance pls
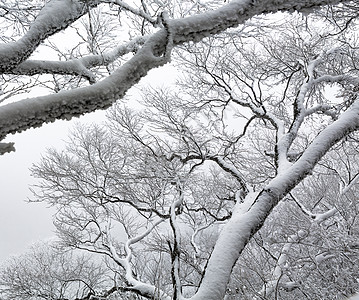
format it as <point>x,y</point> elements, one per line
<point>55,16</point>
<point>243,225</point>
<point>28,113</point>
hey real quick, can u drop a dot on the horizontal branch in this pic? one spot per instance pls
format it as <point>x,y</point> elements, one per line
<point>79,66</point>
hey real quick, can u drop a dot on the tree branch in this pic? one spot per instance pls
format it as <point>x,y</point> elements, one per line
<point>19,116</point>
<point>244,224</point>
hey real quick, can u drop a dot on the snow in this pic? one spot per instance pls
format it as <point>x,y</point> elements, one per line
<point>140,287</point>
<point>322,257</point>
<point>249,215</point>
<point>350,184</point>
<point>6,147</point>
<point>319,218</point>
<point>33,112</point>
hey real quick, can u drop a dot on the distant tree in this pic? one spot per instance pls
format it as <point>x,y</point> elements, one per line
<point>44,272</point>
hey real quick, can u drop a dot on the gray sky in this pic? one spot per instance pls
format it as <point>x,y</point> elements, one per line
<point>23,223</point>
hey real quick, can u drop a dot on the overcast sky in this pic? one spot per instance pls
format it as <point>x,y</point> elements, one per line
<point>23,223</point>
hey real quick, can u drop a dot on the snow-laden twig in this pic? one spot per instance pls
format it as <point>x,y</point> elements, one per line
<point>293,239</point>
<point>277,273</point>
<point>194,235</point>
<point>283,139</point>
<point>316,217</point>
<point>144,289</point>
<point>230,168</point>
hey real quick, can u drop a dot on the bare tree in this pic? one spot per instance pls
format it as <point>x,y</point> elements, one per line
<point>251,119</point>
<point>44,272</point>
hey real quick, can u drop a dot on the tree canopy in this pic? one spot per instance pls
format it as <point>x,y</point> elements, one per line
<point>234,183</point>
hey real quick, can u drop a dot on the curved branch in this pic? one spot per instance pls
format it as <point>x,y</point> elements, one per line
<point>133,10</point>
<point>144,289</point>
<point>55,16</point>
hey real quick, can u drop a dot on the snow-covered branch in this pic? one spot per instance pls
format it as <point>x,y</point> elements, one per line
<point>292,240</point>
<point>316,217</point>
<point>135,285</point>
<point>175,251</point>
<point>353,181</point>
<point>6,147</point>
<point>55,16</point>
<point>244,224</point>
<point>28,113</point>
<point>195,233</point>
<point>228,167</point>
<point>277,274</point>
<point>80,66</point>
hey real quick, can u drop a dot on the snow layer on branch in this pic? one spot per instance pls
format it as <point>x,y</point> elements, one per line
<point>33,112</point>
<point>6,147</point>
<point>55,16</point>
<point>229,242</point>
<point>80,66</point>
<point>197,27</point>
<point>319,218</point>
<point>350,184</point>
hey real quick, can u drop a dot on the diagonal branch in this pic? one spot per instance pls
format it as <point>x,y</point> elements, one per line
<point>48,22</point>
